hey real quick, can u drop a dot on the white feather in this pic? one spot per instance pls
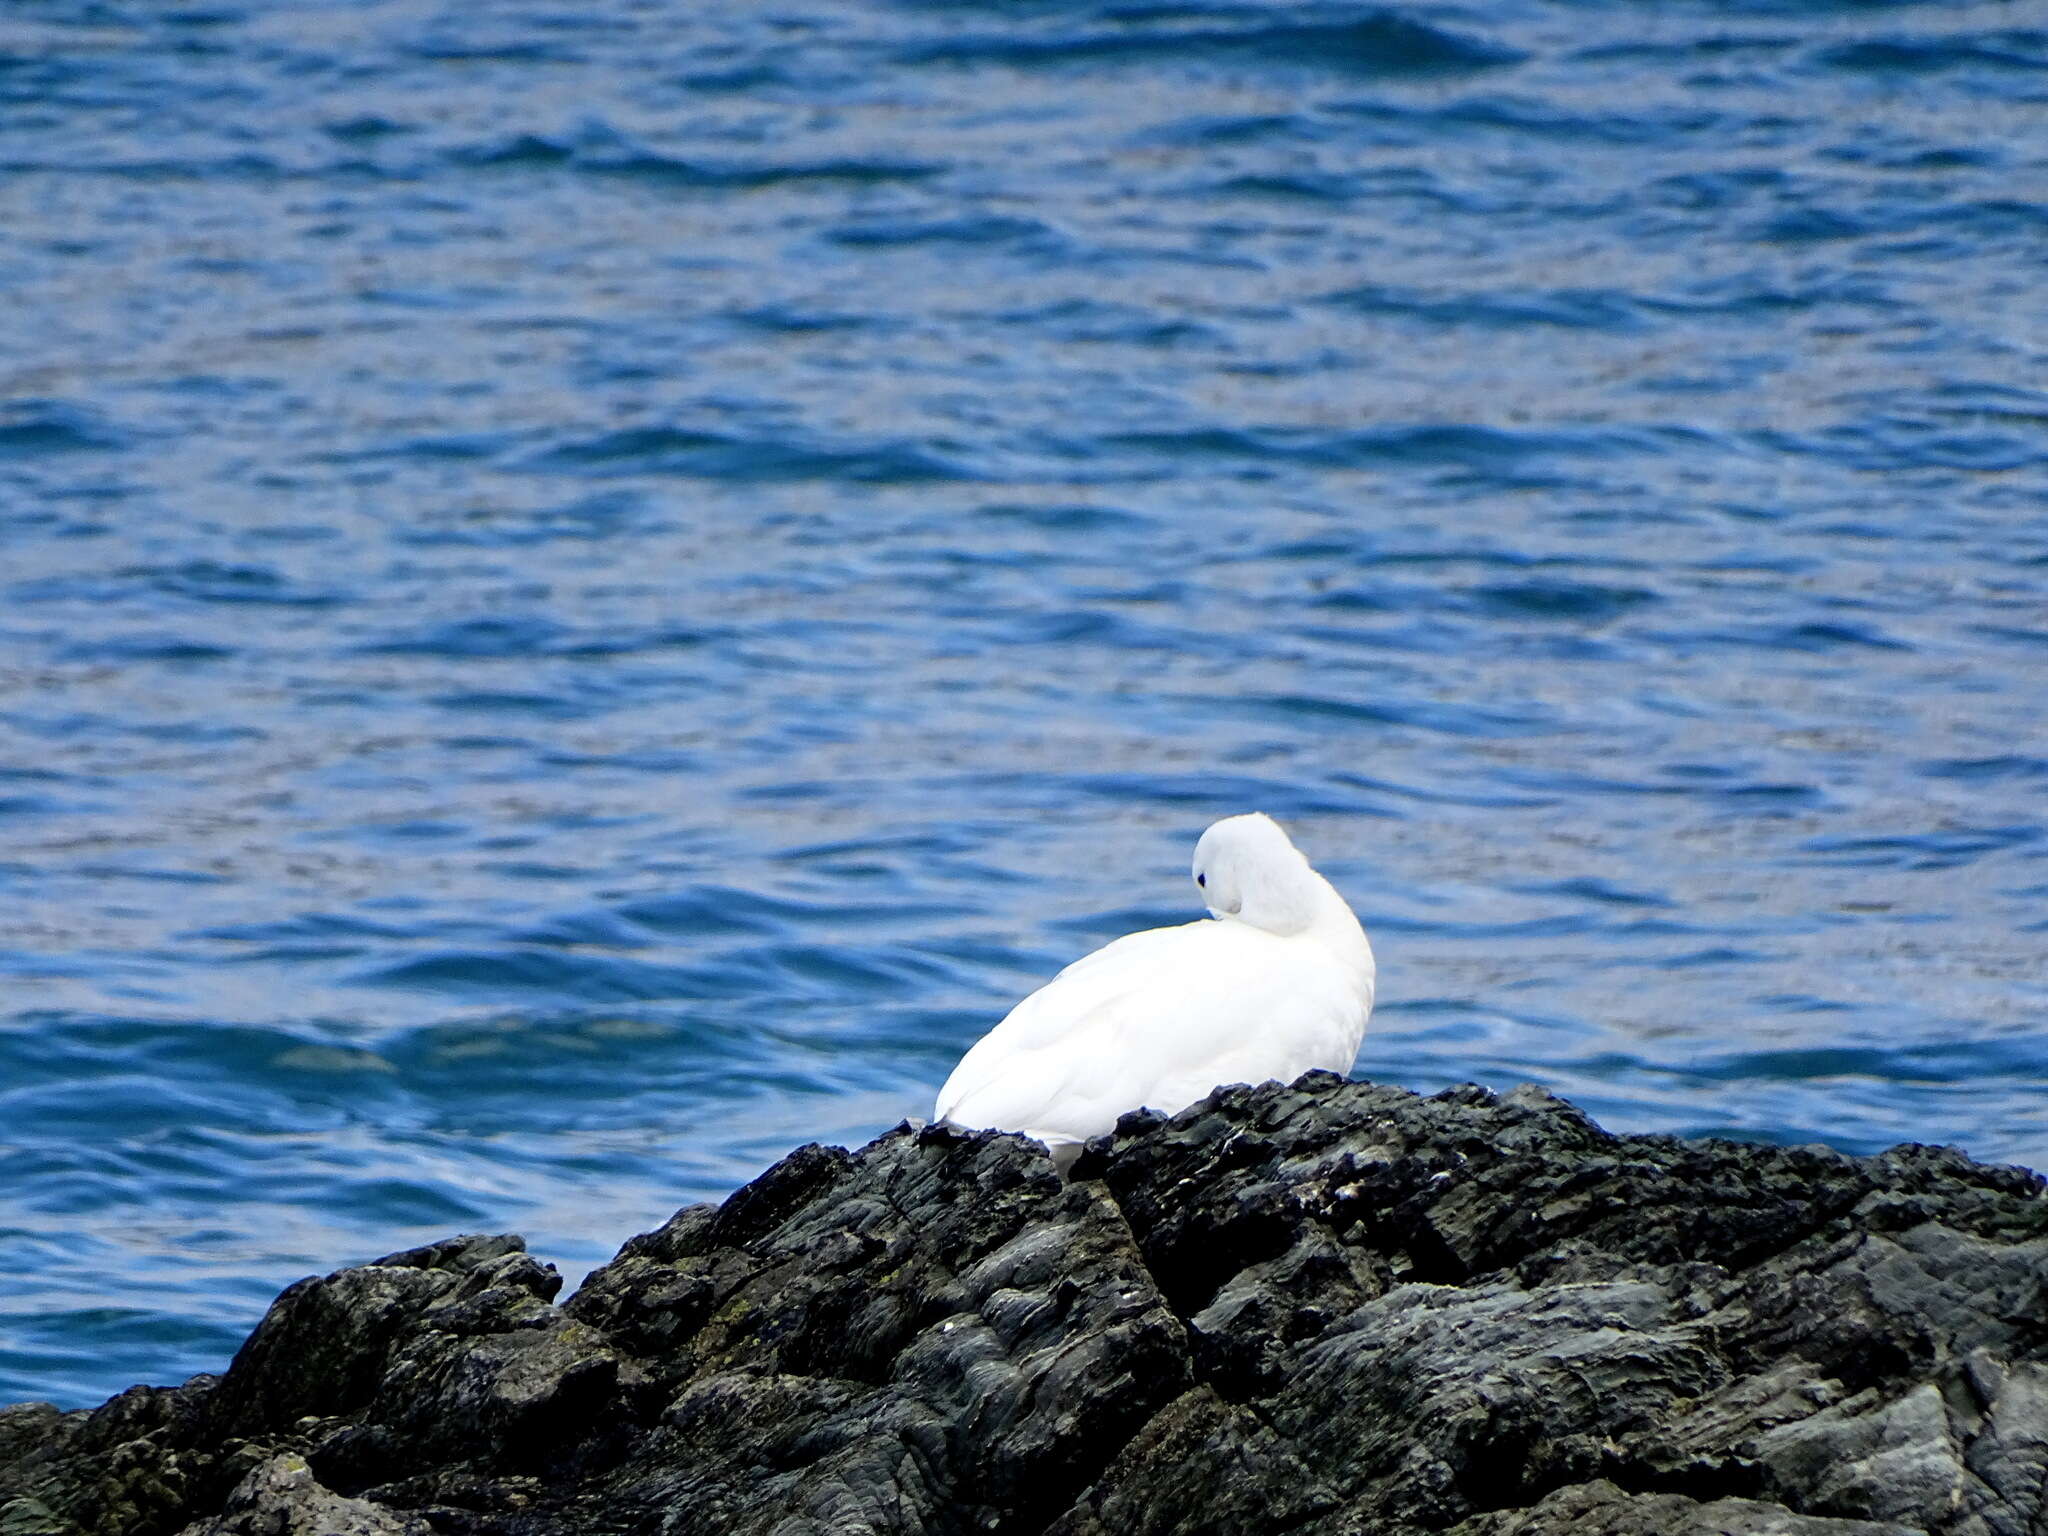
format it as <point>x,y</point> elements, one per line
<point>1278,982</point>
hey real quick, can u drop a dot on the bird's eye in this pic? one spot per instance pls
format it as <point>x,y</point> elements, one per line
<point>1202,881</point>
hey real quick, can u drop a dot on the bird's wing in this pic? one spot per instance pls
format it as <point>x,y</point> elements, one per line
<point>1026,1063</point>
<point>1156,1018</point>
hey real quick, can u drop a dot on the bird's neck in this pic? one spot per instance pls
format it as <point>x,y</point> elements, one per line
<point>1338,929</point>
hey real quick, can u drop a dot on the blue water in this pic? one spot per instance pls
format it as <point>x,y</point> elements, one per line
<point>588,591</point>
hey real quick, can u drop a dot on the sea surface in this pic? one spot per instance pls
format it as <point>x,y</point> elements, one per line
<point>589,591</point>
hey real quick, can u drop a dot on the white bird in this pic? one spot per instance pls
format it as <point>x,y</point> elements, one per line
<point>1279,982</point>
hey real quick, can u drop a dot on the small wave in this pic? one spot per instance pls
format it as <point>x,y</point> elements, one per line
<point>1944,849</point>
<point>2010,766</point>
<point>484,1065</point>
<point>1933,54</point>
<point>1293,187</point>
<point>1469,448</point>
<point>2013,634</point>
<point>1095,627</point>
<point>1646,125</point>
<point>447,48</point>
<point>1766,297</point>
<point>1206,130</point>
<point>501,973</point>
<point>1567,782</point>
<point>1809,226</point>
<point>506,701</point>
<point>1715,45</point>
<point>795,912</point>
<point>244,166</point>
<point>1440,795</point>
<point>309,926</point>
<point>1222,794</point>
<point>1560,926</point>
<point>743,176</point>
<point>797,320</point>
<point>1571,309</point>
<point>1587,888</point>
<point>603,154</point>
<point>2014,1058</point>
<point>33,428</point>
<point>974,230</point>
<point>1909,446</point>
<point>718,456</point>
<point>79,1067</point>
<point>529,636</point>
<point>364,128</point>
<point>1379,43</point>
<point>1092,320</point>
<point>1713,958</point>
<point>1813,636</point>
<point>17,806</point>
<point>394,1204</point>
<point>233,583</point>
<point>836,973</point>
<point>712,910</point>
<point>171,648</point>
<point>1485,721</point>
<point>607,515</point>
<point>1576,601</point>
<point>478,637</point>
<point>1067,517</point>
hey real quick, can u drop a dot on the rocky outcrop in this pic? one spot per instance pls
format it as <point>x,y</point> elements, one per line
<point>1325,1309</point>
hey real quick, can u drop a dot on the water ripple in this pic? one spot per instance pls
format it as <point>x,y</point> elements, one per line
<point>1378,43</point>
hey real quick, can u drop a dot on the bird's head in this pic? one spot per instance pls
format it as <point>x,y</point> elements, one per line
<point>1250,873</point>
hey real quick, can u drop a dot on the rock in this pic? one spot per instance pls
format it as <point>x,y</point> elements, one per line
<point>1601,1509</point>
<point>281,1498</point>
<point>1332,1308</point>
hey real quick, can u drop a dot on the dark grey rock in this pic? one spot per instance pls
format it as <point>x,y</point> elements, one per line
<point>1329,1309</point>
<point>1601,1509</point>
<point>281,1498</point>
